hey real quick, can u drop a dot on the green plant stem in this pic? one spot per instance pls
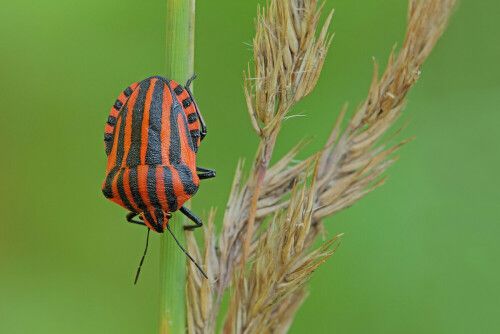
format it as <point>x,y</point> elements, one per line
<point>179,67</point>
<point>173,279</point>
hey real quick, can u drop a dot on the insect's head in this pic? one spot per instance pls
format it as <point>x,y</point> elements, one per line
<point>156,219</point>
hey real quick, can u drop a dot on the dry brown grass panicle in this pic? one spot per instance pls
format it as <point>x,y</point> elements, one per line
<point>282,268</point>
<point>275,258</point>
<point>352,160</point>
<point>199,290</point>
<point>288,60</point>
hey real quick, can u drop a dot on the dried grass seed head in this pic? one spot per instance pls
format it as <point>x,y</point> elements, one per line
<point>281,268</point>
<point>288,60</point>
<point>353,161</point>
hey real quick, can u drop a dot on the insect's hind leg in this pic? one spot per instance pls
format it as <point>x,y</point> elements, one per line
<point>191,216</point>
<point>208,173</point>
<point>130,219</point>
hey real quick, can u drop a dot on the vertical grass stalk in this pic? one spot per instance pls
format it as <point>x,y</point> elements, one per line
<point>179,56</point>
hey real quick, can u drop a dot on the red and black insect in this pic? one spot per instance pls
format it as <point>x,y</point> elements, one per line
<point>152,136</point>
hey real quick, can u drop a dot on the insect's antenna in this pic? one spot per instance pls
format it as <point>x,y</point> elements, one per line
<point>190,80</point>
<point>202,122</point>
<point>189,256</point>
<point>142,260</point>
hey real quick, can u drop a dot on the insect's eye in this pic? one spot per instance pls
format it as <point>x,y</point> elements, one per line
<point>141,217</point>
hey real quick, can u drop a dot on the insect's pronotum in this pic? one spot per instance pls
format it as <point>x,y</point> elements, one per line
<point>151,139</point>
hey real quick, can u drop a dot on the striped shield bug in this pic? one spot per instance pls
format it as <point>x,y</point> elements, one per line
<point>151,139</point>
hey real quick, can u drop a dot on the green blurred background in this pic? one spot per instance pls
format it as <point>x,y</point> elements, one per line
<point>419,255</point>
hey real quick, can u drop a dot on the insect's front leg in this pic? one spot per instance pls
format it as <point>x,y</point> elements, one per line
<point>130,219</point>
<point>208,173</point>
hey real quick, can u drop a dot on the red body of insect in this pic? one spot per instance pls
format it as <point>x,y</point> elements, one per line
<point>151,140</point>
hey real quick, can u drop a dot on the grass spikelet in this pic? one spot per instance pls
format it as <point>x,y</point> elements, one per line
<point>288,60</point>
<point>283,267</point>
<point>199,291</point>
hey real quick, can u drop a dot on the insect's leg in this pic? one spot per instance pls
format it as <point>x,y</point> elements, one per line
<point>130,219</point>
<point>208,173</point>
<point>191,216</point>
